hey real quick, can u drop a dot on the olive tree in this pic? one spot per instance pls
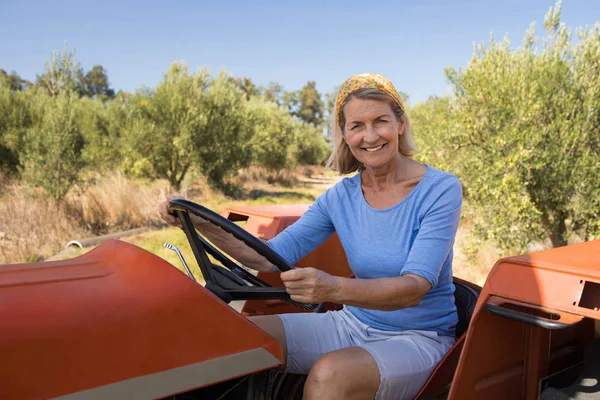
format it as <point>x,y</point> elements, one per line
<point>274,133</point>
<point>159,135</point>
<point>311,146</point>
<point>189,119</point>
<point>437,134</point>
<point>222,139</point>
<point>50,151</point>
<point>529,135</point>
<point>102,125</point>
<point>14,119</point>
<point>52,147</point>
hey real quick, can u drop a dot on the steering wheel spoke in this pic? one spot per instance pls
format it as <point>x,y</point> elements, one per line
<point>231,282</point>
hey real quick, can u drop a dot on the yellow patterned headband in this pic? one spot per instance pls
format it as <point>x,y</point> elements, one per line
<point>366,81</point>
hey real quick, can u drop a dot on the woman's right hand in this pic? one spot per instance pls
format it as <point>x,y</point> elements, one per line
<point>163,210</point>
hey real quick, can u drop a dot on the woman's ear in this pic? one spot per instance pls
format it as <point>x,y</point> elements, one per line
<point>343,131</point>
<point>401,126</point>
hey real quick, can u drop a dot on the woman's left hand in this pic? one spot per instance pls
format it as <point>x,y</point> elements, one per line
<point>310,285</point>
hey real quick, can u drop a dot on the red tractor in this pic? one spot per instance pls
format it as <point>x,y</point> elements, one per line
<point>121,323</point>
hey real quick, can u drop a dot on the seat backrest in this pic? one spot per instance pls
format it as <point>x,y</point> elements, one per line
<point>465,298</point>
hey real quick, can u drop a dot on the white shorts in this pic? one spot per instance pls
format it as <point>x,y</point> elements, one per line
<point>405,359</point>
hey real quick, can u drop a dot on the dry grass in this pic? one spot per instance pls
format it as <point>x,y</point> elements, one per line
<point>257,175</point>
<point>473,268</point>
<point>113,202</point>
<point>33,226</point>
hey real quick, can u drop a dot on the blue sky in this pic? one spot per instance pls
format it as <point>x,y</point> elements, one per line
<point>291,42</point>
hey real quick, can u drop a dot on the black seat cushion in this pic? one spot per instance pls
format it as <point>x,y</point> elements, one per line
<point>465,298</point>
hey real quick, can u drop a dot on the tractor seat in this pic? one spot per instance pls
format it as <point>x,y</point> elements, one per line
<point>465,298</point>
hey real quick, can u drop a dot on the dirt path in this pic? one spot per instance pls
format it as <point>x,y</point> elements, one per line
<point>323,182</point>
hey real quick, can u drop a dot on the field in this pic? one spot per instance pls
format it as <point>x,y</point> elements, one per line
<point>35,229</point>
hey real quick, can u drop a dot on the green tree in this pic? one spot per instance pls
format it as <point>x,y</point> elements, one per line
<point>311,147</point>
<point>95,84</point>
<point>62,72</point>
<point>437,133</point>
<point>274,93</point>
<point>161,133</point>
<point>8,108</point>
<point>17,114</point>
<point>529,132</point>
<point>188,120</point>
<point>330,118</point>
<point>306,104</point>
<point>52,147</point>
<point>274,133</point>
<point>102,126</point>
<point>247,87</point>
<point>222,140</point>
<point>14,81</point>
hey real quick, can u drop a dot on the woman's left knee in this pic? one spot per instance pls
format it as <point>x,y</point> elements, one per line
<point>325,371</point>
<point>347,373</point>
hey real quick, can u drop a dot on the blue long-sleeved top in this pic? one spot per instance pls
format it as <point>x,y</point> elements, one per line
<point>414,236</point>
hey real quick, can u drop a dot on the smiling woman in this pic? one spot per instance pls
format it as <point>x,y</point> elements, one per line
<point>387,101</point>
<point>372,132</point>
<point>396,220</point>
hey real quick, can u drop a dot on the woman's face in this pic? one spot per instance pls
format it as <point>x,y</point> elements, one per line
<point>371,132</point>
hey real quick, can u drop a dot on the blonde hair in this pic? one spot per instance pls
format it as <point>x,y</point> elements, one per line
<point>342,159</point>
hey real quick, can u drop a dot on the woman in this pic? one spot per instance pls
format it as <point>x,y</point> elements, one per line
<point>396,220</point>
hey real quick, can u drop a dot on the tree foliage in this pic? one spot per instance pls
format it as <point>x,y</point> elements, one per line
<point>247,87</point>
<point>52,148</point>
<point>306,104</point>
<point>160,135</point>
<point>274,133</point>
<point>13,81</point>
<point>311,147</point>
<point>274,93</point>
<point>71,121</point>
<point>529,136</point>
<point>437,133</point>
<point>62,73</point>
<point>102,126</point>
<point>95,84</point>
<point>222,143</point>
<point>16,116</point>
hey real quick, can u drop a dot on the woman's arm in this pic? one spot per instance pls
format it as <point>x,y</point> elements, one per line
<point>310,285</point>
<point>420,273</point>
<point>299,239</point>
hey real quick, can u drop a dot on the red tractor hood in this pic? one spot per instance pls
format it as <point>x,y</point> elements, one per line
<point>119,321</point>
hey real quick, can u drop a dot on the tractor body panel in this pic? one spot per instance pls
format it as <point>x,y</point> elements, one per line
<point>533,318</point>
<point>119,320</point>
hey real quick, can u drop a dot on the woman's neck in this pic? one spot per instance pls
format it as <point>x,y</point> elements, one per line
<point>381,178</point>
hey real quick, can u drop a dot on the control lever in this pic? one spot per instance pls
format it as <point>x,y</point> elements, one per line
<point>176,250</point>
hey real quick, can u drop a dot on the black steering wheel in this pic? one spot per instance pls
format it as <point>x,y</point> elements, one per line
<point>232,282</point>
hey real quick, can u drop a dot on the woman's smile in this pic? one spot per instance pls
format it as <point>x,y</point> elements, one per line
<point>374,149</point>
